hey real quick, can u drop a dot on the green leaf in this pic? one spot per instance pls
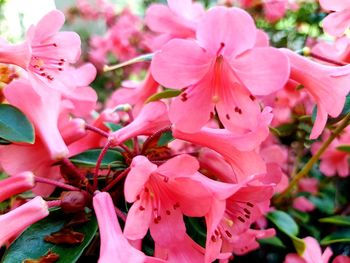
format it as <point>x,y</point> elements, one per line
<point>272,241</point>
<point>337,237</point>
<point>165,138</point>
<point>344,148</point>
<point>112,126</point>
<point>4,142</point>
<point>324,203</point>
<point>299,244</point>
<point>31,243</point>
<point>284,222</point>
<point>168,93</point>
<point>336,220</point>
<point>113,159</point>
<point>298,215</point>
<point>287,225</point>
<point>14,125</point>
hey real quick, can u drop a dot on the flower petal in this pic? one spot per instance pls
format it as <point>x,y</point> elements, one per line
<point>336,23</point>
<point>189,166</point>
<point>141,169</point>
<point>262,70</point>
<point>232,27</point>
<point>184,59</point>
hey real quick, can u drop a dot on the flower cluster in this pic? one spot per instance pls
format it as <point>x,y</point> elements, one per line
<point>194,147</point>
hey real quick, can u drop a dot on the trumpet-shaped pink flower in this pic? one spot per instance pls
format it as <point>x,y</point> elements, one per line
<point>336,23</point>
<point>237,149</point>
<point>327,86</point>
<point>16,184</point>
<point>161,196</point>
<point>46,52</point>
<point>223,69</point>
<point>152,117</point>
<point>20,218</point>
<point>312,254</point>
<point>135,94</point>
<point>177,20</point>
<point>43,111</point>
<point>334,161</point>
<point>275,9</point>
<point>114,246</point>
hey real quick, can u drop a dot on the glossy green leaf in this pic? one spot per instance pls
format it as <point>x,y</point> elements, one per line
<point>166,94</point>
<point>31,243</point>
<point>113,126</point>
<point>272,241</point>
<point>337,237</point>
<point>344,148</point>
<point>336,220</point>
<point>113,159</point>
<point>14,125</point>
<point>165,138</point>
<point>284,222</point>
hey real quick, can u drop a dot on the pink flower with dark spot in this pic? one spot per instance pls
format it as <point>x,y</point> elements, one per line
<point>223,70</point>
<point>46,53</point>
<point>161,196</point>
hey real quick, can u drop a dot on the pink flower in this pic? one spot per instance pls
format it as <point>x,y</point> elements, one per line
<point>185,251</point>
<point>114,246</point>
<point>152,117</point>
<point>219,72</point>
<point>275,9</point>
<point>341,259</point>
<point>42,110</point>
<point>336,23</point>
<point>327,85</point>
<point>334,161</point>
<point>134,94</point>
<point>312,254</point>
<point>35,158</point>
<point>233,217</point>
<point>177,20</point>
<point>303,204</point>
<point>16,184</point>
<point>20,218</point>
<point>309,185</point>
<point>339,50</point>
<point>46,52</point>
<point>161,196</point>
<point>238,150</point>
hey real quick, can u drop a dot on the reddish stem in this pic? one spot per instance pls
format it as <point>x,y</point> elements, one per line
<point>120,214</point>
<point>116,180</point>
<point>74,171</point>
<point>150,138</point>
<point>96,130</point>
<point>98,164</point>
<point>55,183</point>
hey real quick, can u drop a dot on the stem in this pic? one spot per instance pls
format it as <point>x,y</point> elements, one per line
<point>55,183</point>
<point>120,214</point>
<point>75,172</point>
<point>96,130</point>
<point>98,163</point>
<point>308,166</point>
<point>116,180</point>
<point>154,135</point>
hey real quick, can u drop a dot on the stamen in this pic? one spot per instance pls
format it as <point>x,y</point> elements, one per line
<point>222,45</point>
<point>250,204</point>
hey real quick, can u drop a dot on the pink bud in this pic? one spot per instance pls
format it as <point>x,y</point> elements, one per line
<point>20,218</point>
<point>16,185</point>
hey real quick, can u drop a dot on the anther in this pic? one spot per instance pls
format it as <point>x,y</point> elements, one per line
<point>241,219</point>
<point>250,204</point>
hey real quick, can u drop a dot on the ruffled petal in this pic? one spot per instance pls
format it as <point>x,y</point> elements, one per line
<point>230,29</point>
<point>189,166</point>
<point>336,23</point>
